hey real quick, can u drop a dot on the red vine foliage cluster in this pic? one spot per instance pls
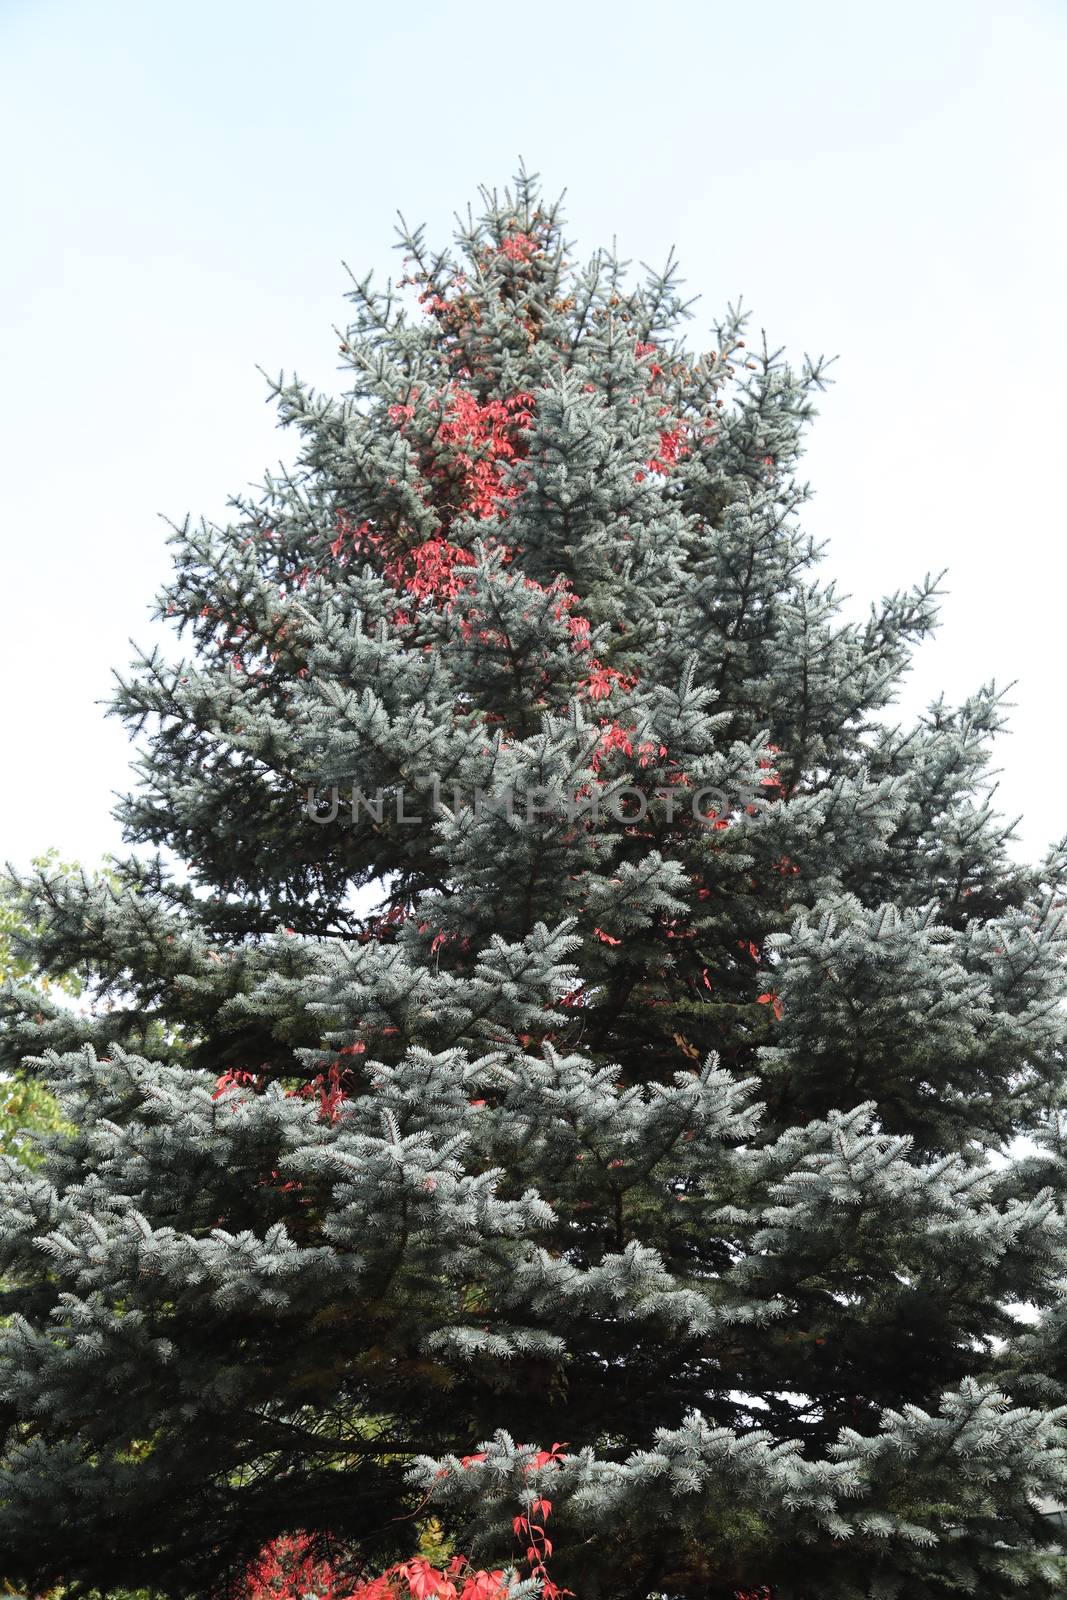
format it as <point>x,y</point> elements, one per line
<point>288,1568</point>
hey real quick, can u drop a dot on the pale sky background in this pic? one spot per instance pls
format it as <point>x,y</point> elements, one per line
<point>182,183</point>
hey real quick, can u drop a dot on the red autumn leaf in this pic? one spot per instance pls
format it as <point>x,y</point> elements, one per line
<point>484,1586</point>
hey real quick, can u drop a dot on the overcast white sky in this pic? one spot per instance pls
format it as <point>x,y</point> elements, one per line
<point>182,183</point>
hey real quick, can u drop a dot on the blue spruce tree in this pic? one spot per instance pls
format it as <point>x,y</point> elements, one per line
<point>584,1019</point>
